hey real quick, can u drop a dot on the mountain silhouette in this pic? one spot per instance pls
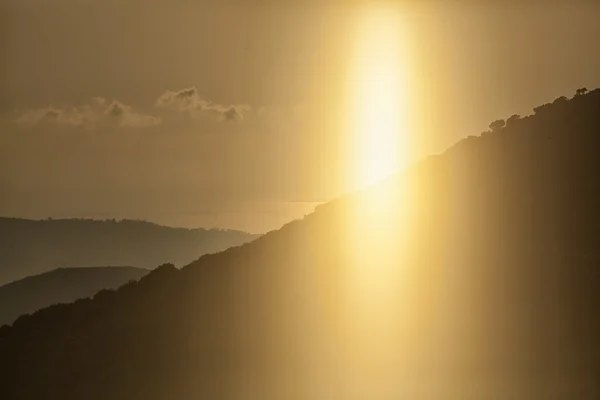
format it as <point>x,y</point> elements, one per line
<point>63,285</point>
<point>31,247</point>
<point>474,274</point>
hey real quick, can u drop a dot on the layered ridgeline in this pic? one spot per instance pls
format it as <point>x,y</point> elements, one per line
<point>63,285</point>
<point>473,275</point>
<point>30,247</point>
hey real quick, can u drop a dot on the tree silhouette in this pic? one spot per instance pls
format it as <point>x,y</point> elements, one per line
<point>512,119</point>
<point>497,125</point>
<point>561,100</point>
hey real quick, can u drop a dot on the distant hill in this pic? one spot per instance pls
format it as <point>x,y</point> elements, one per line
<point>30,247</point>
<point>474,275</point>
<point>63,285</point>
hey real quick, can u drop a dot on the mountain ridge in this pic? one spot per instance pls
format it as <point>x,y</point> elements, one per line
<point>30,247</point>
<point>492,291</point>
<point>62,285</point>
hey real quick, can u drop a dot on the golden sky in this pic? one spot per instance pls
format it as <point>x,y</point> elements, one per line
<point>228,114</point>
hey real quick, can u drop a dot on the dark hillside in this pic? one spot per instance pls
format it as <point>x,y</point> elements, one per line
<point>476,274</point>
<point>63,285</point>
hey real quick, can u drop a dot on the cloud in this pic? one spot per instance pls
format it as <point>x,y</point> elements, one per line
<point>88,116</point>
<point>234,113</point>
<point>79,117</point>
<point>188,100</point>
<point>100,112</point>
<point>129,118</point>
<point>183,100</point>
<point>116,110</point>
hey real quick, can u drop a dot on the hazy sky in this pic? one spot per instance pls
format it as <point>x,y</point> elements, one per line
<point>235,115</point>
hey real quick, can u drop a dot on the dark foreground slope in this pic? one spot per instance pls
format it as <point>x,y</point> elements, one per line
<point>63,285</point>
<point>474,275</point>
<point>30,247</point>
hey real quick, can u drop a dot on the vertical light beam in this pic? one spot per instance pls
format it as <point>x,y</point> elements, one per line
<point>379,91</point>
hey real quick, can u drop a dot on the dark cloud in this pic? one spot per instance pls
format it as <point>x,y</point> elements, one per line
<point>234,113</point>
<point>182,100</point>
<point>116,110</point>
<point>231,114</point>
<point>187,93</point>
<point>189,100</point>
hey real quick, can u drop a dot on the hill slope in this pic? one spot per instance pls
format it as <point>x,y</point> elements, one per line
<point>63,285</point>
<point>31,247</point>
<point>473,275</point>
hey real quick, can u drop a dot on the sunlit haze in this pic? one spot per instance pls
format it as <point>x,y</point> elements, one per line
<point>299,200</point>
<point>242,116</point>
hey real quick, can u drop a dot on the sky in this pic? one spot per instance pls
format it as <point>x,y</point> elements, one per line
<point>246,116</point>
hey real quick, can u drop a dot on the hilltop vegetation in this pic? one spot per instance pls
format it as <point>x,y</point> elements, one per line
<point>488,265</point>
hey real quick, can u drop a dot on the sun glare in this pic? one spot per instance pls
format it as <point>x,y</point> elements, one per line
<point>376,221</point>
<point>379,94</point>
<point>375,224</point>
